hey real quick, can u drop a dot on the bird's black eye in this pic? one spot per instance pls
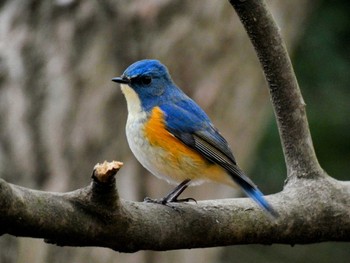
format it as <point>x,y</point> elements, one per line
<point>146,80</point>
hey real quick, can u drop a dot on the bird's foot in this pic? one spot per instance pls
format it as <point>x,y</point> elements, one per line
<point>172,196</point>
<point>185,200</point>
<point>168,203</point>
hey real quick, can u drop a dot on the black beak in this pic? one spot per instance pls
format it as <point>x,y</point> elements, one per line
<point>122,80</point>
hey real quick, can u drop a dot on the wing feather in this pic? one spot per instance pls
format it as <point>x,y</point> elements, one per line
<point>194,129</point>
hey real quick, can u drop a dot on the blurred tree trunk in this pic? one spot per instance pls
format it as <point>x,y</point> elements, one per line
<point>60,113</point>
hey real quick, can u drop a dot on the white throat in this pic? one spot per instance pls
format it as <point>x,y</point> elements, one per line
<point>132,99</point>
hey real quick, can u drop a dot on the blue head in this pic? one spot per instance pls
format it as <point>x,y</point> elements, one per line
<point>148,82</point>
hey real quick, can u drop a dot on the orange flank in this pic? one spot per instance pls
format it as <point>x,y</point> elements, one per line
<point>182,162</point>
<point>157,135</point>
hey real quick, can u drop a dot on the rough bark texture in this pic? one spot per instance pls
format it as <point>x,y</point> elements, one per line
<point>60,113</point>
<point>95,216</point>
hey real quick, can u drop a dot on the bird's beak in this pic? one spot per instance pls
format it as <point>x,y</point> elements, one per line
<point>121,80</point>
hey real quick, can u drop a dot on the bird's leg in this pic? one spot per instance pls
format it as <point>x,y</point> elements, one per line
<point>173,195</point>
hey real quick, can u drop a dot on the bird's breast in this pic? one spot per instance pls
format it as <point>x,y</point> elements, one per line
<point>162,153</point>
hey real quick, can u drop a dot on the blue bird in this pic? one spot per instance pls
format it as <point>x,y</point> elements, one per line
<point>173,138</point>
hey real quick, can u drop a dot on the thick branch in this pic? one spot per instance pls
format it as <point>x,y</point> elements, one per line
<point>285,94</point>
<point>95,216</point>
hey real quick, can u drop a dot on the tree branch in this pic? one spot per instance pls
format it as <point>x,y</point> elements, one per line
<point>95,216</point>
<point>285,94</point>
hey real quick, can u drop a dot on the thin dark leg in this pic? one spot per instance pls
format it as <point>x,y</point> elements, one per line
<point>173,195</point>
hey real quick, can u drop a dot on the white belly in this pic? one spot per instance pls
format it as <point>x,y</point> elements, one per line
<point>152,158</point>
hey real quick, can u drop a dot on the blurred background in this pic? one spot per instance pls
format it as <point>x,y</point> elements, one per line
<point>60,113</point>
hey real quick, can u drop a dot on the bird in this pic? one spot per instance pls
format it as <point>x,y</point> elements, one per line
<point>173,138</point>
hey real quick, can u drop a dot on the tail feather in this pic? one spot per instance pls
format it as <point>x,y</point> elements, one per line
<point>259,198</point>
<point>252,191</point>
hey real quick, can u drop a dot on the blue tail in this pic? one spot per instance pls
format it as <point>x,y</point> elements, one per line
<point>251,190</point>
<point>259,198</point>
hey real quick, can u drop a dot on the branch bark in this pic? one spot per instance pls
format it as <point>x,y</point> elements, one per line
<point>95,216</point>
<point>286,97</point>
<point>313,207</point>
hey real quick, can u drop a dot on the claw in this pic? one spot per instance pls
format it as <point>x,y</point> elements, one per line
<point>162,201</point>
<point>184,200</point>
<point>172,196</point>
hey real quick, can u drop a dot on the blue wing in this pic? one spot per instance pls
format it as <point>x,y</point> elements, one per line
<point>189,123</point>
<point>185,119</point>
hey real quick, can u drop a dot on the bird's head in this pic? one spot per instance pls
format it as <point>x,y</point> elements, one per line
<point>147,83</point>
